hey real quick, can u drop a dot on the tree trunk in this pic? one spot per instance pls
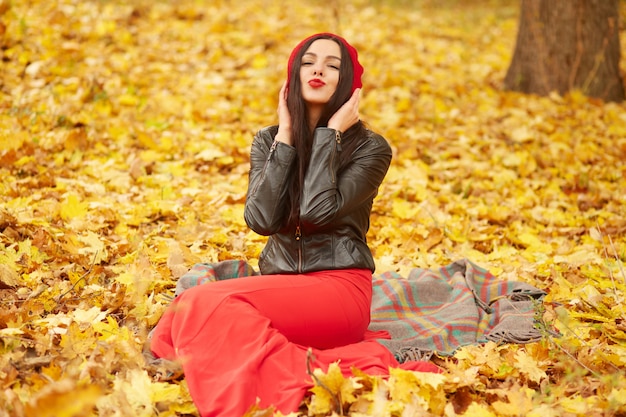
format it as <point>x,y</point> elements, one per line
<point>567,44</point>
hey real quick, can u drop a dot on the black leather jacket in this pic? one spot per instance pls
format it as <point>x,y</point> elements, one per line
<point>334,209</point>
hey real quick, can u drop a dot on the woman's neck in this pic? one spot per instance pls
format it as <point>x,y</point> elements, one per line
<point>315,112</point>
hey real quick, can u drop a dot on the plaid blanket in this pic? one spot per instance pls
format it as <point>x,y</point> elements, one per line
<point>432,311</point>
<point>439,310</point>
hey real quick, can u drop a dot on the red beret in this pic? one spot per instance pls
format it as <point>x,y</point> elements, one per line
<point>354,57</point>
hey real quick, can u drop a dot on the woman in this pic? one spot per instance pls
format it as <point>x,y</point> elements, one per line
<point>312,181</point>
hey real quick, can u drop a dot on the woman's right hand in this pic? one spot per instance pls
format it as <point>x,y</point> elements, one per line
<point>348,114</point>
<point>284,118</point>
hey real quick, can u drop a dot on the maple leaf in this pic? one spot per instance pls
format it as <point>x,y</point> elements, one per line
<point>478,410</point>
<point>529,366</point>
<point>63,399</point>
<point>73,208</point>
<point>8,277</point>
<point>423,389</point>
<point>332,390</point>
<point>519,403</point>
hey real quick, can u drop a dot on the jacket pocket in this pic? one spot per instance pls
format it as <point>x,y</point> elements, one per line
<point>351,255</point>
<point>265,257</point>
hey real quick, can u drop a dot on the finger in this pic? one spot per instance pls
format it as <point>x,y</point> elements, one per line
<point>356,95</point>
<point>354,100</point>
<point>357,100</point>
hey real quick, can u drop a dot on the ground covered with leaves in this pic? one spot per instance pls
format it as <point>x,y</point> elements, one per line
<point>124,134</point>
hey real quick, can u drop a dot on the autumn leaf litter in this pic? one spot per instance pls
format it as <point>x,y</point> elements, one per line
<point>124,133</point>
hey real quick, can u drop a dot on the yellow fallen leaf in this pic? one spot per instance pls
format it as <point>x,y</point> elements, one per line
<point>577,404</point>
<point>63,399</point>
<point>529,366</point>
<point>135,387</point>
<point>93,315</point>
<point>128,100</point>
<point>404,209</point>
<point>544,410</point>
<point>94,247</point>
<point>176,259</point>
<point>519,402</point>
<point>8,276</point>
<point>617,397</point>
<point>164,392</point>
<point>534,243</point>
<point>73,208</point>
<point>478,410</point>
<point>11,331</point>
<point>335,386</point>
<point>420,388</point>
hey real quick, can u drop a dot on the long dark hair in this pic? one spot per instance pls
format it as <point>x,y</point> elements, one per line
<point>302,134</point>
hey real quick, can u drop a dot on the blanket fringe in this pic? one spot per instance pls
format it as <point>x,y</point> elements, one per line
<point>413,354</point>
<point>504,336</point>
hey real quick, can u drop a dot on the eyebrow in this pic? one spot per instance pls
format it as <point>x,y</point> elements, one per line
<point>328,57</point>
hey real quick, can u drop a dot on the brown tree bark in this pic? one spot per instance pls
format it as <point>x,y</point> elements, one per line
<point>567,44</point>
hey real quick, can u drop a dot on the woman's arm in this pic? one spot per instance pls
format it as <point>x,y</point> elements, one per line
<point>271,164</point>
<point>327,195</point>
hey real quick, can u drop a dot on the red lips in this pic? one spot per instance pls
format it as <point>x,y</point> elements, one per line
<point>316,83</point>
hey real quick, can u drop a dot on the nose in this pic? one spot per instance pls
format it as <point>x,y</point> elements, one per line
<point>317,69</point>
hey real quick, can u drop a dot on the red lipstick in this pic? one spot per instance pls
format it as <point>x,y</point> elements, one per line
<point>316,83</point>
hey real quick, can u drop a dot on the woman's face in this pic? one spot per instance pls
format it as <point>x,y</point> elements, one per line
<point>319,72</point>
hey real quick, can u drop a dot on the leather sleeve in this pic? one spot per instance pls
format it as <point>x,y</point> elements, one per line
<point>271,164</point>
<point>327,195</point>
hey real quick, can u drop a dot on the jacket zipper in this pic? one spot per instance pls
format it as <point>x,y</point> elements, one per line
<point>272,149</point>
<point>299,243</point>
<point>337,149</point>
<point>267,161</point>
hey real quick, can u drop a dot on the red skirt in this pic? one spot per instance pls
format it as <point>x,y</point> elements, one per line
<point>245,339</point>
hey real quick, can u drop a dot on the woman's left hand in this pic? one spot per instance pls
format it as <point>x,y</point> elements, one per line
<point>284,118</point>
<point>347,115</point>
